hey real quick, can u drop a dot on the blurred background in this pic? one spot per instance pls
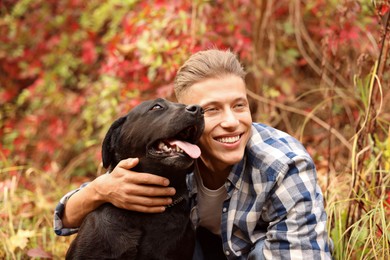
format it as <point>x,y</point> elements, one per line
<point>318,70</point>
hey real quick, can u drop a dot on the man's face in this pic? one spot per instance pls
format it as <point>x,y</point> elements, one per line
<point>227,119</point>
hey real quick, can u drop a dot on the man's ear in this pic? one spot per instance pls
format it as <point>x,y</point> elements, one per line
<point>108,151</point>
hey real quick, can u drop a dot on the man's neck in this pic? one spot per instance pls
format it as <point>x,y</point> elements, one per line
<point>213,178</point>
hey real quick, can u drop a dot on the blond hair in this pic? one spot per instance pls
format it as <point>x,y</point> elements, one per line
<point>204,65</point>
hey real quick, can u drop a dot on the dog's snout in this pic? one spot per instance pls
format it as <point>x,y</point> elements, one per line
<point>194,109</point>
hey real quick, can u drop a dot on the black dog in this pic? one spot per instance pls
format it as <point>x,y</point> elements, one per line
<point>162,134</point>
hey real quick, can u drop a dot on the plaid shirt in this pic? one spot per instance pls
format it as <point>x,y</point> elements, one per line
<point>274,207</point>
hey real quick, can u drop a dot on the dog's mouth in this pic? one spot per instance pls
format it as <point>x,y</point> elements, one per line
<point>181,144</point>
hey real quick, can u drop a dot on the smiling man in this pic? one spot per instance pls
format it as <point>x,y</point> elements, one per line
<point>228,125</point>
<point>254,189</point>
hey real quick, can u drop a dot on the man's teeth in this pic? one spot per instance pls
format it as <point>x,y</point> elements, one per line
<point>162,146</point>
<point>229,140</point>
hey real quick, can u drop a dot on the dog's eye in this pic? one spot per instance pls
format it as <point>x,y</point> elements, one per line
<point>156,107</point>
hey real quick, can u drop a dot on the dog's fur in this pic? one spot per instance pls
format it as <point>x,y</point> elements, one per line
<point>112,233</point>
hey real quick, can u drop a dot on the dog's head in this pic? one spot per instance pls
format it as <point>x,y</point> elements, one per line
<point>161,133</point>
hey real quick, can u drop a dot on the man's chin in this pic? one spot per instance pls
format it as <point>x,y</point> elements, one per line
<point>232,157</point>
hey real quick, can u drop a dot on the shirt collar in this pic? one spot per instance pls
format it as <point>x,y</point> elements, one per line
<point>235,176</point>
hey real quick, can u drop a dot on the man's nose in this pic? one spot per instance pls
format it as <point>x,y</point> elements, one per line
<point>229,119</point>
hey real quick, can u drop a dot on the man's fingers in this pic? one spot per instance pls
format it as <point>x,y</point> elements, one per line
<point>148,179</point>
<point>141,178</point>
<point>144,204</point>
<point>152,202</point>
<point>139,208</point>
<point>150,191</point>
<point>128,163</point>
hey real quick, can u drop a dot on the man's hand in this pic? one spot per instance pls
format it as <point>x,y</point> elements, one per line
<point>136,191</point>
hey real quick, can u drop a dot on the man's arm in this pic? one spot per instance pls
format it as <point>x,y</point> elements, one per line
<point>297,217</point>
<point>123,188</point>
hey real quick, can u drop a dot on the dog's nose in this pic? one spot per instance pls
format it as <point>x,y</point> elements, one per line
<point>194,109</point>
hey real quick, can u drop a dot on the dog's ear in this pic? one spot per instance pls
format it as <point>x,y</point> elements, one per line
<point>108,151</point>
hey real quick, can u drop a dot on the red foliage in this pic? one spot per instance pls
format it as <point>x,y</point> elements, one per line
<point>62,61</point>
<point>88,55</point>
<point>69,67</point>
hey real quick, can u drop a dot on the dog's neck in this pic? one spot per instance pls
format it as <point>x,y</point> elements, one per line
<point>177,178</point>
<point>177,200</point>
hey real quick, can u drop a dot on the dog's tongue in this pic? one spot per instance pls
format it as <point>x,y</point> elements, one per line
<point>192,150</point>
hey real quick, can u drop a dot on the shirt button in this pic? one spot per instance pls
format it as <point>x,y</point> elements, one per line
<point>227,252</point>
<point>224,210</point>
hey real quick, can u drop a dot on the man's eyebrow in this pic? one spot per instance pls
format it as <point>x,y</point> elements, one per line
<point>241,99</point>
<point>214,102</point>
<point>210,103</point>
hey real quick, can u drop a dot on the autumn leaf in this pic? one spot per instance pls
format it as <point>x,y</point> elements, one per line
<point>38,252</point>
<point>20,239</point>
<point>89,55</point>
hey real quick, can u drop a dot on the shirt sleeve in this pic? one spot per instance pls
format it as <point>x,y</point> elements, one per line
<point>59,228</point>
<point>296,215</point>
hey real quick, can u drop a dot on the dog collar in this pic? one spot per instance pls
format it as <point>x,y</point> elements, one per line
<point>176,201</point>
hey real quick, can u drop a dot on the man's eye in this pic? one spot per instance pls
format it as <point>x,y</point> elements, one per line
<point>211,109</point>
<point>156,107</point>
<point>240,105</point>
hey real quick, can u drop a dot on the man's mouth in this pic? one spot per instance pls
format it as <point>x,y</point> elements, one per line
<point>228,140</point>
